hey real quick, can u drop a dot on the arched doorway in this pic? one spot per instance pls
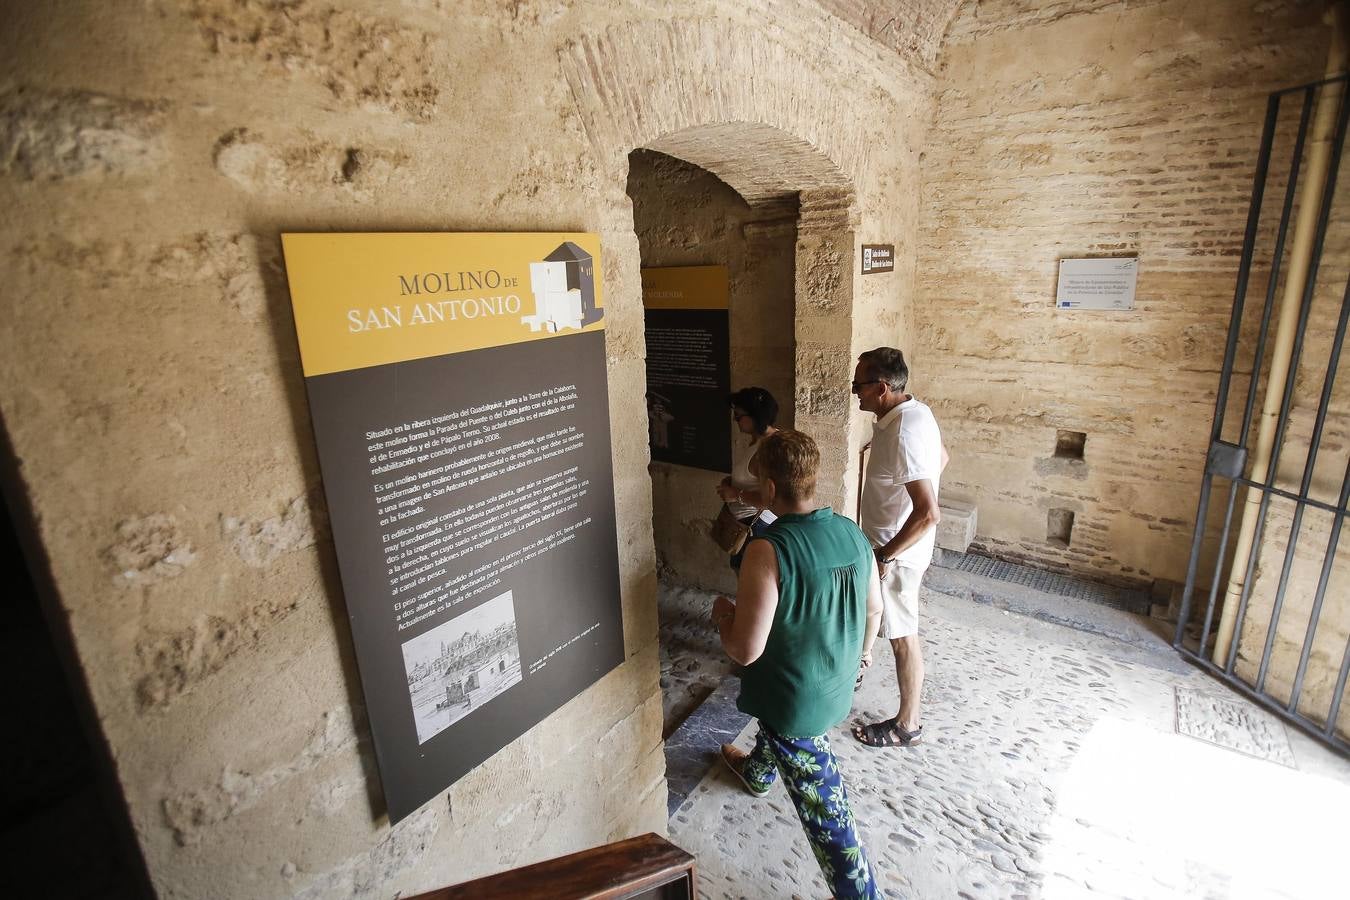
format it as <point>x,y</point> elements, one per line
<point>769,168</point>
<point>787,256</point>
<point>770,128</point>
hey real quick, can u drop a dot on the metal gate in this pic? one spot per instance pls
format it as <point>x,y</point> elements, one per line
<point>1266,606</point>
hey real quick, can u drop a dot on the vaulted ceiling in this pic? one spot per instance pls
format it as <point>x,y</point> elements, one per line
<point>912,28</point>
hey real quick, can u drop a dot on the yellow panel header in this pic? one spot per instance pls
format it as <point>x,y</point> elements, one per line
<point>686,287</point>
<point>371,299</point>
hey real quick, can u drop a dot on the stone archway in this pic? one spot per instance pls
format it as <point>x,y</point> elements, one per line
<point>767,125</point>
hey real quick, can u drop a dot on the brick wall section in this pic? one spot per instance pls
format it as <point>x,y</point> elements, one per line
<point>1079,129</point>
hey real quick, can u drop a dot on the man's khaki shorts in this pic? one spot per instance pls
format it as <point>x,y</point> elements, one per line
<point>900,601</point>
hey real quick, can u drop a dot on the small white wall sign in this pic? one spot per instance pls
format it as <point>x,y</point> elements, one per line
<point>877,258</point>
<point>1097,283</point>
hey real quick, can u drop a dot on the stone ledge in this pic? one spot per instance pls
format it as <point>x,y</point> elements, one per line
<point>958,525</point>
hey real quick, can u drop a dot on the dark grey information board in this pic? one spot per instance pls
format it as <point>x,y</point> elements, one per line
<point>688,383</point>
<point>483,581</point>
<point>688,365</point>
<point>470,490</point>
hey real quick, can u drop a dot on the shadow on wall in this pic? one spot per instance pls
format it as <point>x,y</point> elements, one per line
<point>63,822</point>
<point>291,376</point>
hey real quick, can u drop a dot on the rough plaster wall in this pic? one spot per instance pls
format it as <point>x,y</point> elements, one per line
<point>684,216</point>
<point>1077,128</point>
<point>149,156</point>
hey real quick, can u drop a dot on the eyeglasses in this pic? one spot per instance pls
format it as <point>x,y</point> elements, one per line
<point>858,385</point>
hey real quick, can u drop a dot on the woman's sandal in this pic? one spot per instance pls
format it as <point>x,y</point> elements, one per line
<point>887,733</point>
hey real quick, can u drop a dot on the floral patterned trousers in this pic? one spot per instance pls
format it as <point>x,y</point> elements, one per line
<point>811,776</point>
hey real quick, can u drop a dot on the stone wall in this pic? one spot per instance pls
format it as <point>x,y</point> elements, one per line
<point>1091,128</point>
<point>151,153</point>
<point>850,153</point>
<point>686,217</point>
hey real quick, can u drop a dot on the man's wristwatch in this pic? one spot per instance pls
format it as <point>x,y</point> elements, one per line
<point>882,560</point>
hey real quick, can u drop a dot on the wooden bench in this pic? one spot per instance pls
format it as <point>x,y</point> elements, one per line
<point>642,868</point>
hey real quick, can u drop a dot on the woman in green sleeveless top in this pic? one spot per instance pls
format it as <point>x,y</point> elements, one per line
<point>807,610</point>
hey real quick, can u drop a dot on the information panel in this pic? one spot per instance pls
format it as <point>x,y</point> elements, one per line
<point>688,365</point>
<point>458,393</point>
<point>1097,283</point>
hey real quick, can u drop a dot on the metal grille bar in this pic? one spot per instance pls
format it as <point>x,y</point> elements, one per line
<point>1249,409</point>
<point>1230,460</point>
<point>1287,401</point>
<point>1290,495</point>
<point>1229,355</point>
<point>1327,561</point>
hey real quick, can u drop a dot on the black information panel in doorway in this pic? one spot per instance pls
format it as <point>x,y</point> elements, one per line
<point>688,366</point>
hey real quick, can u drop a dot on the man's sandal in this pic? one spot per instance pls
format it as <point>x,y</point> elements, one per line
<point>887,733</point>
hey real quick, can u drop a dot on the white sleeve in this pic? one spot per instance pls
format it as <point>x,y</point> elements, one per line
<point>920,453</point>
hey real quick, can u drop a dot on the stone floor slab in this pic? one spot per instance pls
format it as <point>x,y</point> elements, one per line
<point>1232,723</point>
<point>694,745</point>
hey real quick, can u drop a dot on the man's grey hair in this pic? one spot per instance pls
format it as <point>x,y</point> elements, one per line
<point>886,364</point>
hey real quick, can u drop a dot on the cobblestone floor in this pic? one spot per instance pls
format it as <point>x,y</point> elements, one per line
<point>1051,767</point>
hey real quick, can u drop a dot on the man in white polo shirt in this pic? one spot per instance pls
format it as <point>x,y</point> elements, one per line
<point>899,517</point>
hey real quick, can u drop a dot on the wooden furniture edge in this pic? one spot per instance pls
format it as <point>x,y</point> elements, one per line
<point>610,870</point>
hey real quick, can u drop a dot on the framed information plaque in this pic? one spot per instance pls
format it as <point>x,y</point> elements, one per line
<point>1097,283</point>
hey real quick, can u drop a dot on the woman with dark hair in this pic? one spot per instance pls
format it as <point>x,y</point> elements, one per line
<point>755,412</point>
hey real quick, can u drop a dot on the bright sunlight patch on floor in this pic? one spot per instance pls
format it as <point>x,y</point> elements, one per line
<point>1143,813</point>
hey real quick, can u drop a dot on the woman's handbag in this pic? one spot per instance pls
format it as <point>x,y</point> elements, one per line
<point>728,532</point>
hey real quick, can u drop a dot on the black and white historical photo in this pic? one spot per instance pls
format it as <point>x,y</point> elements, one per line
<point>459,666</point>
